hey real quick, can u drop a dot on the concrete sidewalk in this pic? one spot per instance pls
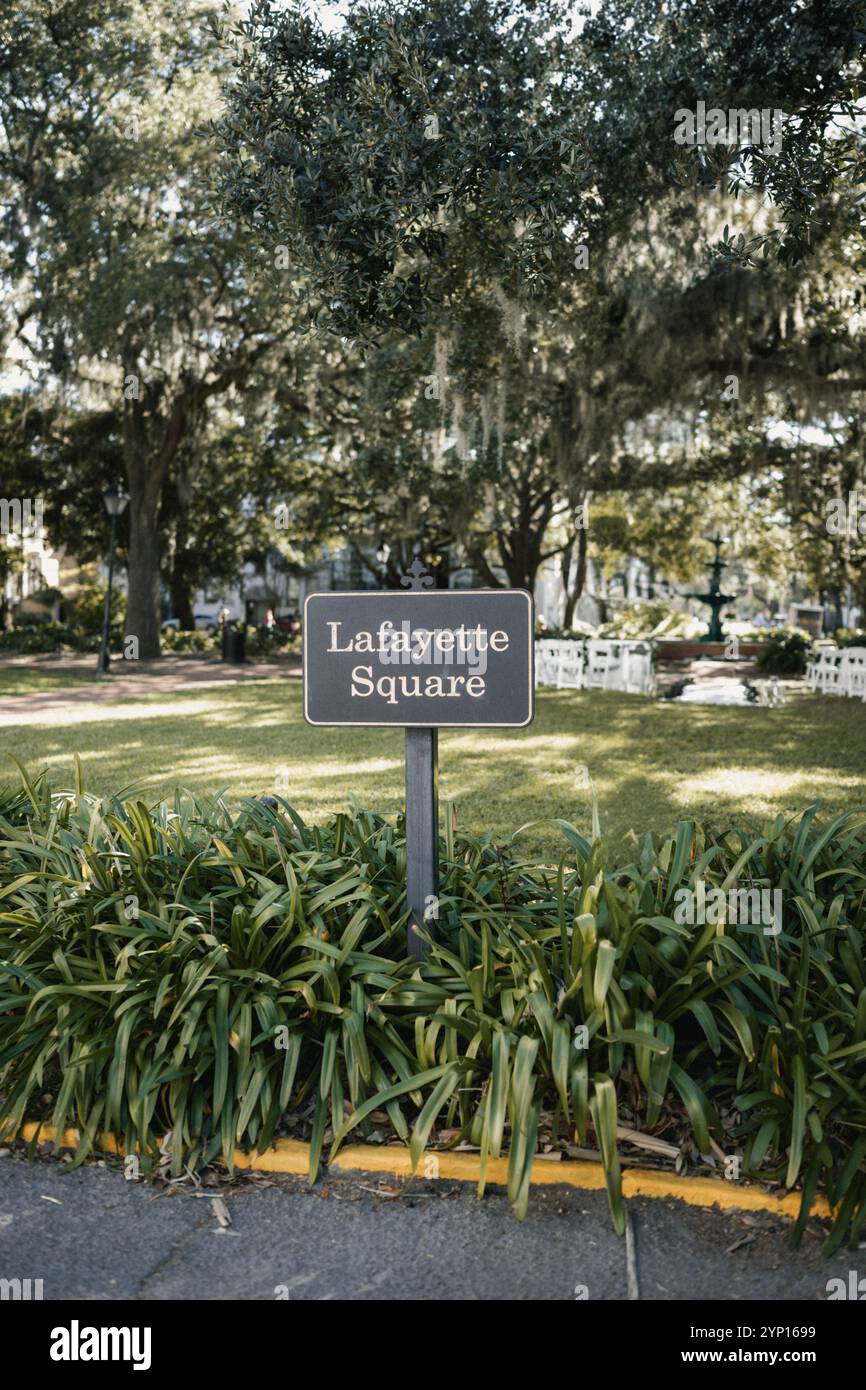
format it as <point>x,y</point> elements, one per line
<point>91,1234</point>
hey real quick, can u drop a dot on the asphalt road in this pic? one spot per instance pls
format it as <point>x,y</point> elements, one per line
<point>91,1234</point>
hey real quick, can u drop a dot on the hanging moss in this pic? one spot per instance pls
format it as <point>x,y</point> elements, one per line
<point>513,317</point>
<point>441,357</point>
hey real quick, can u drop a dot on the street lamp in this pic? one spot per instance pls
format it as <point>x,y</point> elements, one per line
<point>115,500</point>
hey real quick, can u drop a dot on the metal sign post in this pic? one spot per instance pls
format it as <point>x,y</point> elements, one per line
<point>422,660</point>
<point>422,834</point>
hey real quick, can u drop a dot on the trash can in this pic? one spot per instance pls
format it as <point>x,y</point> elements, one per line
<point>235,645</point>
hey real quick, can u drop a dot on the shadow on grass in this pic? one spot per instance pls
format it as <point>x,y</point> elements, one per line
<point>651,762</point>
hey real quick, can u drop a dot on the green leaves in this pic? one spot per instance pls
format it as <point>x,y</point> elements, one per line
<point>438,1096</point>
<point>262,987</point>
<point>398,170</point>
<point>798,1122</point>
<point>604,1119</point>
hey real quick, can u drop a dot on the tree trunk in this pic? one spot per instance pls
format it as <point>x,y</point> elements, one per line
<point>142,608</point>
<point>181,579</point>
<point>145,480</point>
<point>478,561</point>
<point>148,452</point>
<point>572,595</point>
<point>565,560</point>
<point>520,554</point>
<point>181,597</point>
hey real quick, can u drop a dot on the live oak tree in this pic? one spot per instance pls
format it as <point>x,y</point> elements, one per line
<point>423,147</point>
<point>409,458</point>
<point>473,198</point>
<point>126,287</point>
<point>415,149</point>
<point>429,162</point>
<point>420,164</point>
<point>500,466</point>
<point>207,535</point>
<point>67,458</point>
<point>217,512</point>
<point>822,493</point>
<point>17,483</point>
<point>645,61</point>
<point>373,474</point>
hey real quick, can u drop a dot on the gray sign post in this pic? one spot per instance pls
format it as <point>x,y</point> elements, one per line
<point>422,834</point>
<point>424,659</point>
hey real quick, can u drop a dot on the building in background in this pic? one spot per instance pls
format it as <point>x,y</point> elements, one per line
<point>31,573</point>
<point>34,579</point>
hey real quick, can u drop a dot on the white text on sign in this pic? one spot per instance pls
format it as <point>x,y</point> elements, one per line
<point>419,646</point>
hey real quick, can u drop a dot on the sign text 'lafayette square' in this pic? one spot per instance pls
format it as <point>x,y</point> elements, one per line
<point>429,659</point>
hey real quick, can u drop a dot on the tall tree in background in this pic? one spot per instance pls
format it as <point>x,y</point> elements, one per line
<point>646,60</point>
<point>416,148</point>
<point>482,208</point>
<point>446,168</point>
<point>126,287</point>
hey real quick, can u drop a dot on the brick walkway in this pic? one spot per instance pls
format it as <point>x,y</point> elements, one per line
<point>165,677</point>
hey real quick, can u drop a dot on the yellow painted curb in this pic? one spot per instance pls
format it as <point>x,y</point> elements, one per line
<point>293,1157</point>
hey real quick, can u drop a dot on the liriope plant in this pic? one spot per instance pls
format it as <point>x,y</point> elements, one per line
<point>189,975</point>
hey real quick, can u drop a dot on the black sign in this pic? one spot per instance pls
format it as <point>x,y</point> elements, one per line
<point>438,658</point>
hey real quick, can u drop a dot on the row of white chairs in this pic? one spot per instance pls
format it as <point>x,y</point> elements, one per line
<point>594,664</point>
<point>838,671</point>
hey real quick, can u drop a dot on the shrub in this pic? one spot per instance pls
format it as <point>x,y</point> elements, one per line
<point>87,609</point>
<point>48,637</point>
<point>92,641</point>
<point>180,640</point>
<point>279,641</point>
<point>785,653</point>
<point>210,975</point>
<point>649,618</point>
<point>40,637</point>
<point>850,637</point>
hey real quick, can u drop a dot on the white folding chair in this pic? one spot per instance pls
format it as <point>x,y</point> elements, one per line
<point>571,666</point>
<point>823,674</point>
<point>831,673</point>
<point>852,672</point>
<point>637,668</point>
<point>547,657</point>
<point>540,664</point>
<point>604,665</point>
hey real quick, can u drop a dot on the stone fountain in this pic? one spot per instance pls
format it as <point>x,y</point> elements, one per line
<point>714,597</point>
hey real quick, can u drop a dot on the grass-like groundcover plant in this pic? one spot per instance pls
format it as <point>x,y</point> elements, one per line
<point>194,978</point>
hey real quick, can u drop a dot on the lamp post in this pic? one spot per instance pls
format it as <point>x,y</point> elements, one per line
<point>115,500</point>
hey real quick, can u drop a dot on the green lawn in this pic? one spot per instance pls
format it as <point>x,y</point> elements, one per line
<point>28,680</point>
<point>651,763</point>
